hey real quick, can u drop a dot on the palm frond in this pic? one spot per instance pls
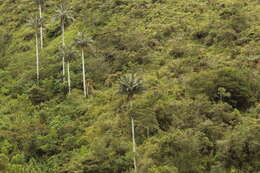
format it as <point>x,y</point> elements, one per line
<point>68,53</point>
<point>130,84</point>
<point>64,13</point>
<point>40,2</point>
<point>34,22</point>
<point>82,40</point>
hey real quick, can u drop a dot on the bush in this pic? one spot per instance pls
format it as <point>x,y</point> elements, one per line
<point>240,85</point>
<point>240,150</point>
<point>37,95</point>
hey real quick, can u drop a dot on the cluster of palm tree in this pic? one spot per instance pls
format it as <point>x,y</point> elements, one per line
<point>68,55</point>
<point>129,84</point>
<point>63,14</point>
<point>36,23</point>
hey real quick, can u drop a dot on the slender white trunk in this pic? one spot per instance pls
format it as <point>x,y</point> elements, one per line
<point>134,144</point>
<point>63,56</point>
<point>41,28</point>
<point>69,77</point>
<point>37,56</point>
<point>62,29</point>
<point>83,72</point>
<point>133,139</point>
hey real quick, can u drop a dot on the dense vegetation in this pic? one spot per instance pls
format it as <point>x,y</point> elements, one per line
<point>183,75</point>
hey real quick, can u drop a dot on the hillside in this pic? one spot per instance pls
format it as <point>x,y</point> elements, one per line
<point>183,75</point>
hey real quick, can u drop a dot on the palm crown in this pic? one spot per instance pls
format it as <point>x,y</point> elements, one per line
<point>68,53</point>
<point>82,40</point>
<point>64,14</point>
<point>40,2</point>
<point>34,22</point>
<point>130,85</point>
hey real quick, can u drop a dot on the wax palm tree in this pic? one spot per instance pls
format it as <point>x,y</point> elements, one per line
<point>65,15</point>
<point>40,4</point>
<point>34,23</point>
<point>69,55</point>
<point>82,42</point>
<point>130,85</point>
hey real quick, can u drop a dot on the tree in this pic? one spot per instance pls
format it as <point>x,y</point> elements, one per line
<point>64,14</point>
<point>239,84</point>
<point>240,149</point>
<point>40,3</point>
<point>130,85</point>
<point>34,23</point>
<point>69,55</point>
<point>82,42</point>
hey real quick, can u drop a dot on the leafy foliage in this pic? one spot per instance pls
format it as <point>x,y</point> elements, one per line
<point>235,82</point>
<point>199,62</point>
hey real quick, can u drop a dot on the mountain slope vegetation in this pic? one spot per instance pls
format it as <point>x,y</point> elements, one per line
<point>184,76</point>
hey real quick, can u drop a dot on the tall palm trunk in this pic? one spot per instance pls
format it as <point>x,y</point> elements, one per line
<point>134,144</point>
<point>37,56</point>
<point>83,72</point>
<point>133,139</point>
<point>62,29</point>
<point>69,84</point>
<point>41,28</point>
<point>63,45</point>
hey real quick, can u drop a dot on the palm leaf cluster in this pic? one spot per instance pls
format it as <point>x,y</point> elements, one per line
<point>68,53</point>
<point>130,84</point>
<point>34,22</point>
<point>82,40</point>
<point>64,14</point>
<point>40,2</point>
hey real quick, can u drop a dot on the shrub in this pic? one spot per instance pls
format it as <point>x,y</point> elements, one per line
<point>37,95</point>
<point>240,84</point>
<point>240,150</point>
